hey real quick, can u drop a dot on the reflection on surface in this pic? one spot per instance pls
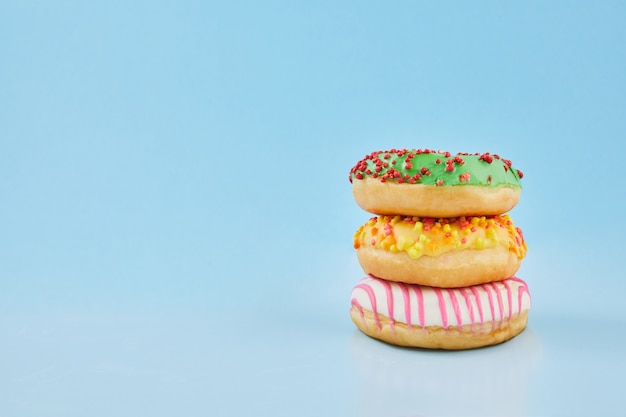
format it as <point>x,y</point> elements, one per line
<point>408,382</point>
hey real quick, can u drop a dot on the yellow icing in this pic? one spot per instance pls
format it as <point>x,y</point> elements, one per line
<point>432,237</point>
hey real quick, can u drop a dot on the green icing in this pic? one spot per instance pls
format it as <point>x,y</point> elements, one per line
<point>488,171</point>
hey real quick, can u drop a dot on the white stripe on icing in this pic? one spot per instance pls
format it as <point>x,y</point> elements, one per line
<point>459,305</point>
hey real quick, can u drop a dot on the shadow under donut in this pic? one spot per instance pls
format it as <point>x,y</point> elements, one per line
<point>398,381</point>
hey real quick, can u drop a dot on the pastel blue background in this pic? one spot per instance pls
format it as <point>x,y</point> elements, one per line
<point>176,220</point>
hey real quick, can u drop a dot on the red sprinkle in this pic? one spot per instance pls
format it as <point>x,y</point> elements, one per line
<point>383,162</point>
<point>486,157</point>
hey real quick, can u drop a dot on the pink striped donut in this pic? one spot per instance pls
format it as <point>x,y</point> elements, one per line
<point>440,318</point>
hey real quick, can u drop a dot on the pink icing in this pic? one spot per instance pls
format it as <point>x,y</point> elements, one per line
<point>479,305</point>
<point>499,296</point>
<point>407,303</point>
<point>468,302</point>
<point>356,303</point>
<point>509,297</point>
<point>522,289</point>
<point>442,308</point>
<point>455,307</point>
<point>420,305</point>
<point>469,310</point>
<point>372,297</point>
<point>491,308</point>
<point>390,314</point>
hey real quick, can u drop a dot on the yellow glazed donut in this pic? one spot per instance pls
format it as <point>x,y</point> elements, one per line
<point>445,252</point>
<point>423,182</point>
<point>438,318</point>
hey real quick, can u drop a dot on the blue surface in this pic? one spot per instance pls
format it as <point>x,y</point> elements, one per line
<point>148,266</point>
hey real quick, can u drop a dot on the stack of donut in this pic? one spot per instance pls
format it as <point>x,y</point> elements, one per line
<point>442,252</point>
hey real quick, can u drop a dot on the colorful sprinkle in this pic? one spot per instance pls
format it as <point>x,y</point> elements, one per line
<point>427,236</point>
<point>437,168</point>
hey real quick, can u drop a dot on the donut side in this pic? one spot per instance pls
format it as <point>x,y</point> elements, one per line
<point>431,201</point>
<point>421,316</point>
<point>434,337</point>
<point>447,252</point>
<point>448,270</point>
